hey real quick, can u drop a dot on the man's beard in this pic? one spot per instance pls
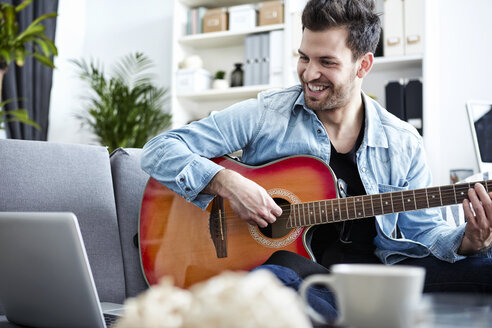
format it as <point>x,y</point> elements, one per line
<point>337,97</point>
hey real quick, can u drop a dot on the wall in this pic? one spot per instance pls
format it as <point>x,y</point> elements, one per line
<point>106,31</point>
<point>456,69</point>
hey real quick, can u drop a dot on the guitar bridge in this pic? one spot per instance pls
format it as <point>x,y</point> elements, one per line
<point>218,227</point>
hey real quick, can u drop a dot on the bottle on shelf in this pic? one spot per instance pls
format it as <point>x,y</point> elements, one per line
<point>237,75</point>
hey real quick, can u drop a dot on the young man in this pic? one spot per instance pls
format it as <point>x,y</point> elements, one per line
<point>328,116</point>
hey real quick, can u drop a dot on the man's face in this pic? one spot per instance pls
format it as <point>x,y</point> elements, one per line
<point>325,68</point>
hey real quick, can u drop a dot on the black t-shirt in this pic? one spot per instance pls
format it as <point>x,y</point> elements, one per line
<point>347,241</point>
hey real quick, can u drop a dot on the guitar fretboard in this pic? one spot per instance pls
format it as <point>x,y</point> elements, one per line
<point>350,208</point>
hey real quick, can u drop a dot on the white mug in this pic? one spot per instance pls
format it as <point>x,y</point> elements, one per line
<point>371,295</point>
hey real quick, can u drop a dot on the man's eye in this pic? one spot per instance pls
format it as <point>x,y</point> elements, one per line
<point>328,63</point>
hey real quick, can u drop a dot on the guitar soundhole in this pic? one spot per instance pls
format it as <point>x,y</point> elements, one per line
<point>279,228</point>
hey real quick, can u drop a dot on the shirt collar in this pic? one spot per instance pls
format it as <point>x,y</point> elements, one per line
<point>375,135</point>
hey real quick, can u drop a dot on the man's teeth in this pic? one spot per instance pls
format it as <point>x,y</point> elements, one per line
<point>316,88</point>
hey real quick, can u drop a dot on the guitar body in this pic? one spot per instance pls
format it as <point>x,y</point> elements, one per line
<point>181,240</point>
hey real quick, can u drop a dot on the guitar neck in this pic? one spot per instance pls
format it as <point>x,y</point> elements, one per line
<point>359,207</point>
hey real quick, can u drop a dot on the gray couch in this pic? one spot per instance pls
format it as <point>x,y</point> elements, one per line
<point>104,191</point>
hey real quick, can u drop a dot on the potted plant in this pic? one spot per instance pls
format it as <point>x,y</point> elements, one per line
<point>219,81</point>
<point>17,45</point>
<point>124,109</point>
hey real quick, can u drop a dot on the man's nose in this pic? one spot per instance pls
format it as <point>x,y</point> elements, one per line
<point>311,72</point>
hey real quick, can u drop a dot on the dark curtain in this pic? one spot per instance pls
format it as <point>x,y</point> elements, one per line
<point>31,83</point>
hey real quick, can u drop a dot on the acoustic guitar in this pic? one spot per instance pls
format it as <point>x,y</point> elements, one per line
<point>180,240</point>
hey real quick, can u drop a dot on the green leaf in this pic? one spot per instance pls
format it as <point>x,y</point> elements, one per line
<point>9,16</point>
<point>6,55</point>
<point>42,18</point>
<point>18,115</point>
<point>23,5</point>
<point>44,60</point>
<point>30,31</point>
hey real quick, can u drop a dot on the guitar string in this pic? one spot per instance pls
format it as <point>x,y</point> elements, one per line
<point>419,196</point>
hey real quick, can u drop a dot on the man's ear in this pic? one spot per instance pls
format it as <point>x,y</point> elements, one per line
<point>365,64</point>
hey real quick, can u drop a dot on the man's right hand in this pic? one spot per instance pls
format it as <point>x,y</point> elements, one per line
<point>247,199</point>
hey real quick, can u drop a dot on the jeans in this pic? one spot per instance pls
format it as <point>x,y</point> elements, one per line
<point>471,275</point>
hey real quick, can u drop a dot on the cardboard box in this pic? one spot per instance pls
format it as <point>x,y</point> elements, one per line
<point>242,17</point>
<point>192,80</point>
<point>215,20</point>
<point>271,12</point>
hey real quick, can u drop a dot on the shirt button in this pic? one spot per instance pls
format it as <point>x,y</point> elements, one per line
<point>319,131</point>
<point>187,189</point>
<point>182,179</point>
<point>363,169</point>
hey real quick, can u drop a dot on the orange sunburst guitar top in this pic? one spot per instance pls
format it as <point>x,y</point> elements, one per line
<point>181,240</point>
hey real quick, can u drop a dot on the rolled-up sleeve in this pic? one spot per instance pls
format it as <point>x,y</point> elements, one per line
<point>179,158</point>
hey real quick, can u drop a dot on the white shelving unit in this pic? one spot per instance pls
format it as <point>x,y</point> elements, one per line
<point>220,50</point>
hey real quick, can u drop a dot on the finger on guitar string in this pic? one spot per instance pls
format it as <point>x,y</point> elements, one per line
<point>482,205</point>
<point>469,214</point>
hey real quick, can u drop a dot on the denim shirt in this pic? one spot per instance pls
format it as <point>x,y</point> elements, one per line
<point>278,124</point>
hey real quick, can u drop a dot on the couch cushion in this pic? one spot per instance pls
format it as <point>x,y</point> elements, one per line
<point>129,184</point>
<point>44,176</point>
<point>4,323</point>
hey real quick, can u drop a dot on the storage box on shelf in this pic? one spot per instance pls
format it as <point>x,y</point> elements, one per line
<point>242,17</point>
<point>215,20</point>
<point>192,80</point>
<point>271,12</point>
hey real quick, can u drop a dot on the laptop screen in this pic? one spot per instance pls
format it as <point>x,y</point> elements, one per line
<point>480,118</point>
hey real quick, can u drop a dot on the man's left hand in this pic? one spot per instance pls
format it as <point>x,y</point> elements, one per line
<point>478,231</point>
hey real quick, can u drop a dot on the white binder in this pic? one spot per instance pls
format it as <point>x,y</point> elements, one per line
<point>248,60</point>
<point>394,44</point>
<point>265,58</point>
<point>414,26</point>
<point>256,51</point>
<point>276,58</point>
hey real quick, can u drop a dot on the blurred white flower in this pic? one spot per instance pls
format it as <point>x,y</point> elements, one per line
<point>229,300</point>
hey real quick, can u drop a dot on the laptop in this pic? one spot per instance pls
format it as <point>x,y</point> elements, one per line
<point>45,277</point>
<point>480,119</point>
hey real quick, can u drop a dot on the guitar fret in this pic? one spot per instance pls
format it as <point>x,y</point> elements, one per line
<point>382,206</point>
<point>427,198</point>
<point>303,215</point>
<point>433,197</point>
<point>392,206</point>
<point>326,212</point>
<point>363,208</point>
<point>337,210</point>
<point>462,192</point>
<point>346,208</point>
<point>309,214</point>
<point>449,196</point>
<point>402,201</point>
<point>454,193</point>
<point>386,200</point>
<point>421,200</point>
<point>355,208</point>
<point>333,211</point>
<point>440,195</point>
<point>415,200</point>
<point>299,211</point>
<point>407,196</point>
<point>372,205</point>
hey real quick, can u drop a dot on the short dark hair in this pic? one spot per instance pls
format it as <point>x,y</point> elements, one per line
<point>358,16</point>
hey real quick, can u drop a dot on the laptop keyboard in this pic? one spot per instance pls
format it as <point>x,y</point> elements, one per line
<point>110,319</point>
